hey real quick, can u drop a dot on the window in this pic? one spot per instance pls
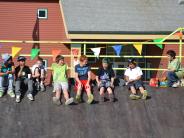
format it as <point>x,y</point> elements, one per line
<point>91,60</point>
<point>42,13</point>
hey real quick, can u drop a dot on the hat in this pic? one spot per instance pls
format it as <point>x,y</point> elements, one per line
<point>105,60</point>
<point>21,58</point>
<point>132,61</point>
<point>6,57</point>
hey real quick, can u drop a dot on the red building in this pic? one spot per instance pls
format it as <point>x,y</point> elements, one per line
<point>85,20</point>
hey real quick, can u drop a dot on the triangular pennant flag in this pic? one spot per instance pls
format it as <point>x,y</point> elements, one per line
<point>138,46</point>
<point>117,49</point>
<point>179,34</point>
<point>34,53</point>
<point>55,53</point>
<point>15,51</point>
<point>75,52</point>
<point>159,40</point>
<point>96,51</point>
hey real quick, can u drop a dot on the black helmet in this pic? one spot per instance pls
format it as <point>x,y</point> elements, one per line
<point>132,61</point>
<point>21,58</point>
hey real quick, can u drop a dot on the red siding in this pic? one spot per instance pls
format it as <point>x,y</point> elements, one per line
<point>19,22</point>
<point>161,63</point>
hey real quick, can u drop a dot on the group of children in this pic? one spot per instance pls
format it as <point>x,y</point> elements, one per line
<point>34,79</point>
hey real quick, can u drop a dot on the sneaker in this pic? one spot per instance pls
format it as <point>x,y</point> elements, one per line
<point>1,94</point>
<point>56,101</point>
<point>17,99</point>
<point>145,95</point>
<point>69,101</point>
<point>134,96</point>
<point>30,97</point>
<point>78,98</point>
<point>11,94</point>
<point>111,97</point>
<point>90,99</point>
<point>176,84</point>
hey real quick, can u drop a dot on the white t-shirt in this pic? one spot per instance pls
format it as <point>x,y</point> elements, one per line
<point>133,73</point>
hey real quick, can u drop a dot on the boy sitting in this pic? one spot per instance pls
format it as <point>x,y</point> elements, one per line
<point>83,78</point>
<point>39,74</point>
<point>133,75</point>
<point>7,70</point>
<point>105,79</point>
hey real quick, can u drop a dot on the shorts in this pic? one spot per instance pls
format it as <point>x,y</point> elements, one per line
<point>136,84</point>
<point>105,84</point>
<point>84,87</point>
<point>61,86</point>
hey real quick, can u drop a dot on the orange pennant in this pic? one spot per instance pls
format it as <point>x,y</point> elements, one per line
<point>179,34</point>
<point>75,52</point>
<point>55,53</point>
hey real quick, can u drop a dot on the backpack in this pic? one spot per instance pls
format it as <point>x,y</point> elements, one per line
<point>154,82</point>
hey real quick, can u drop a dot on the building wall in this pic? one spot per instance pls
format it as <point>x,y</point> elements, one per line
<point>19,22</point>
<point>163,62</point>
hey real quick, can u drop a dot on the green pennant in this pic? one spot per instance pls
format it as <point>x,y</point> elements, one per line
<point>34,53</point>
<point>159,40</point>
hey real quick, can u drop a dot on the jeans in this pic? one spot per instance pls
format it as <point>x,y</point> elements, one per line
<point>172,78</point>
<point>6,82</point>
<point>27,82</point>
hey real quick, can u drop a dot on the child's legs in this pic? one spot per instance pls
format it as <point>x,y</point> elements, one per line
<point>102,91</point>
<point>57,87</point>
<point>10,84</point>
<point>133,90</point>
<point>108,86</point>
<point>65,90</point>
<point>79,88</point>
<point>87,88</point>
<point>1,84</point>
<point>139,85</point>
<point>109,90</point>
<point>141,89</point>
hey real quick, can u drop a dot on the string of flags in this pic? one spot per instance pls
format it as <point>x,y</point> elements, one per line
<point>75,52</point>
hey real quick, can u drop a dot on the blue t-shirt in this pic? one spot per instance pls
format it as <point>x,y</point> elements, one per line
<point>82,71</point>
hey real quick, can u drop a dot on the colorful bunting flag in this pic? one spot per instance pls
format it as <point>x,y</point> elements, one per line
<point>34,53</point>
<point>179,34</point>
<point>159,40</point>
<point>138,47</point>
<point>96,51</point>
<point>117,49</point>
<point>15,51</point>
<point>55,53</point>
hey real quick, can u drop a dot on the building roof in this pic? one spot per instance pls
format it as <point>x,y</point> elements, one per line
<point>123,16</point>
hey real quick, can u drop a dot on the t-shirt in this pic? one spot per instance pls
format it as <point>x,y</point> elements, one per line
<point>176,65</point>
<point>82,71</point>
<point>105,74</point>
<point>25,71</point>
<point>59,72</point>
<point>133,73</point>
<point>4,68</point>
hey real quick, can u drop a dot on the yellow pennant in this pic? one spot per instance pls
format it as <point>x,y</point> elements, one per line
<point>15,51</point>
<point>138,46</point>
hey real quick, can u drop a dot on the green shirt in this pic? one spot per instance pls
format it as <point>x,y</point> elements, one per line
<point>176,65</point>
<point>59,73</point>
